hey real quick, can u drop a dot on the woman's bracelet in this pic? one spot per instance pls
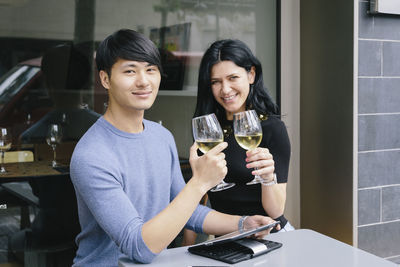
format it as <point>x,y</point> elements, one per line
<point>241,223</point>
<point>272,182</point>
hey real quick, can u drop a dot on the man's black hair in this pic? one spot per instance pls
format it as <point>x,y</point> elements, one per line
<point>129,45</point>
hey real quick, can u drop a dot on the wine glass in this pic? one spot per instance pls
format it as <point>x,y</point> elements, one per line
<point>248,133</point>
<point>5,144</point>
<point>208,133</point>
<point>53,138</point>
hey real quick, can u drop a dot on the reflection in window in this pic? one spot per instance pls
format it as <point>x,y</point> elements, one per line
<point>183,30</point>
<point>12,82</point>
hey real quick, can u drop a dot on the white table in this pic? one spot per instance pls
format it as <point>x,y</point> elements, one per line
<point>300,248</point>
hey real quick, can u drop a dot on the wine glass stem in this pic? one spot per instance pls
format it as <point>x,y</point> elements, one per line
<point>258,177</point>
<point>54,155</point>
<point>2,169</point>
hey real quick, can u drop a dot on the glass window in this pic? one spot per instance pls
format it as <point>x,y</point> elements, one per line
<point>182,29</point>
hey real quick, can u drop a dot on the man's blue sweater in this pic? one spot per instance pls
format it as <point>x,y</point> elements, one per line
<point>121,181</point>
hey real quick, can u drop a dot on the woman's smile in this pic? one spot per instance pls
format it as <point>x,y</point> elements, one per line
<point>228,99</point>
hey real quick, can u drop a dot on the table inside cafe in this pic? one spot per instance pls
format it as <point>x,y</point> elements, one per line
<point>38,173</point>
<point>23,171</point>
<point>301,248</point>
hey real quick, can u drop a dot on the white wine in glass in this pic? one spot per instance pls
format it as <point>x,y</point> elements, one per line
<point>5,144</point>
<point>248,133</point>
<point>249,142</point>
<point>207,133</point>
<point>206,145</point>
<point>54,137</point>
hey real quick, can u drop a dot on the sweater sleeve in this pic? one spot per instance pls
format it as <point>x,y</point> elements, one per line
<point>196,221</point>
<point>103,194</point>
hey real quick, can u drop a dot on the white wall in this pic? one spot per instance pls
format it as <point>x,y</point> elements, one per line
<point>290,98</point>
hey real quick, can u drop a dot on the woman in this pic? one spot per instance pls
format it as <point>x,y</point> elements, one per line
<point>230,81</point>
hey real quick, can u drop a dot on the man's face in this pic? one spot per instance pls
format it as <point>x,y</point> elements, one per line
<point>132,85</point>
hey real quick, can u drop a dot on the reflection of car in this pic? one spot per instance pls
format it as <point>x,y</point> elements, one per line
<point>24,97</point>
<point>23,94</point>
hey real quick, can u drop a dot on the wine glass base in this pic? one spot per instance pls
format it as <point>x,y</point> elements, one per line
<point>222,186</point>
<point>54,164</point>
<point>256,180</point>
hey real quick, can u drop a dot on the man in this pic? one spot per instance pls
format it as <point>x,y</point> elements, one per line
<point>131,195</point>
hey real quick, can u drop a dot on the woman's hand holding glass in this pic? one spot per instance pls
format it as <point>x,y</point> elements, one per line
<point>261,160</point>
<point>208,133</point>
<point>248,134</point>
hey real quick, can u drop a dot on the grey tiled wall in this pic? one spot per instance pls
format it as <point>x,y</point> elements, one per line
<point>378,168</point>
<point>379,134</point>
<point>384,236</point>
<point>370,62</point>
<point>378,131</point>
<point>370,210</point>
<point>378,95</point>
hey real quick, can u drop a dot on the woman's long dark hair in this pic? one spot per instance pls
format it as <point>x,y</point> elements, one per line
<point>240,54</point>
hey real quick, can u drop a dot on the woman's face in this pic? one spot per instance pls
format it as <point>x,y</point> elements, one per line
<point>230,85</point>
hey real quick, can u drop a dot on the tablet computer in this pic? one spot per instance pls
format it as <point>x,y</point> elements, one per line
<point>235,247</point>
<point>237,235</point>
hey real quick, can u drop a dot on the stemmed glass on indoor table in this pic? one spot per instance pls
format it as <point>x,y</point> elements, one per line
<point>248,133</point>
<point>5,144</point>
<point>53,138</point>
<point>207,133</point>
